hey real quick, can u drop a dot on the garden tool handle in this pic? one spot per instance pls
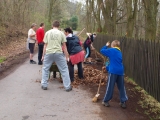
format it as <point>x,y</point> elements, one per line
<point>100,83</point>
<point>81,32</point>
<point>95,52</point>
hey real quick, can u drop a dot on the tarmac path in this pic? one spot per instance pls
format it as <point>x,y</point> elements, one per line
<point>21,98</point>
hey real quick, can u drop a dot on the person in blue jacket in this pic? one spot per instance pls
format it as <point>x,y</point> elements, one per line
<point>116,73</point>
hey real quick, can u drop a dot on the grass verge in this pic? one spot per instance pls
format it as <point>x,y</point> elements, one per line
<point>150,105</point>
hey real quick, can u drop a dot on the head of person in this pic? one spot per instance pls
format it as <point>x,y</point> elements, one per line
<point>68,31</point>
<point>94,35</point>
<point>42,25</point>
<point>115,43</point>
<point>34,26</point>
<point>56,24</point>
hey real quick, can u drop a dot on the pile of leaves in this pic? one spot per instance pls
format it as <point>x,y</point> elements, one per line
<point>91,75</point>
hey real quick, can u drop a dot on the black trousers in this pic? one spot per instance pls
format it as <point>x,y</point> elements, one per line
<point>40,52</point>
<point>71,70</point>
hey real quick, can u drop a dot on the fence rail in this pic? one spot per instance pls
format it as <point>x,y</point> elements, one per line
<point>141,60</point>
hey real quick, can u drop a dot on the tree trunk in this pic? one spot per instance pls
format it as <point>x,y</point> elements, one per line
<point>131,16</point>
<point>50,10</point>
<point>109,10</point>
<point>97,15</point>
<point>151,23</point>
<point>114,17</point>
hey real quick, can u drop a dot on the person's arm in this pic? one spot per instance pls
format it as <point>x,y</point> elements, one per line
<point>64,40</point>
<point>65,51</point>
<point>89,34</point>
<point>31,34</point>
<point>45,45</point>
<point>42,33</point>
<point>105,51</point>
<point>44,51</point>
<point>92,46</point>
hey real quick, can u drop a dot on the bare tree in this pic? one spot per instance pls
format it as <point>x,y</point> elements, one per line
<point>131,6</point>
<point>150,17</point>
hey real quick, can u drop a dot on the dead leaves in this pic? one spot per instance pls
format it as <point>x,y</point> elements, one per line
<point>91,75</point>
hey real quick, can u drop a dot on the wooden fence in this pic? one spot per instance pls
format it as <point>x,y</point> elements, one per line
<point>141,60</point>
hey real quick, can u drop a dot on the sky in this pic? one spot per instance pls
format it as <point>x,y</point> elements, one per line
<point>82,1</point>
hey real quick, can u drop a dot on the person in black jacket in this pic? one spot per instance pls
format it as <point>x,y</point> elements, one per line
<point>76,53</point>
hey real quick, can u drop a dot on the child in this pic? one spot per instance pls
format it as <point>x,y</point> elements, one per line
<point>116,73</point>
<point>87,47</point>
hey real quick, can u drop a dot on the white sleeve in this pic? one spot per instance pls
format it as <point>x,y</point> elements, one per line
<point>30,32</point>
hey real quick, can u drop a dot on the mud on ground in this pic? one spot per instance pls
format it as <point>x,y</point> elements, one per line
<point>133,111</point>
<point>14,52</point>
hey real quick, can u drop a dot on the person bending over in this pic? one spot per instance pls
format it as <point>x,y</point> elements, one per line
<point>76,53</point>
<point>87,47</point>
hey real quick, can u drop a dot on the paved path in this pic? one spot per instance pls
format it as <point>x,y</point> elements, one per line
<point>21,98</point>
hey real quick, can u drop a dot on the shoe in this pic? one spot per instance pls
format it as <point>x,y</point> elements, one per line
<point>123,105</point>
<point>44,88</point>
<point>106,104</point>
<point>40,63</point>
<point>32,62</point>
<point>67,90</point>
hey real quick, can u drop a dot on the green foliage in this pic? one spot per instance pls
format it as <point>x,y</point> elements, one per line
<point>64,23</point>
<point>74,22</point>
<point>2,59</point>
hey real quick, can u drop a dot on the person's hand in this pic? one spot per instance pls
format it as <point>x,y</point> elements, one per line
<point>42,58</point>
<point>92,48</point>
<point>108,43</point>
<point>67,58</point>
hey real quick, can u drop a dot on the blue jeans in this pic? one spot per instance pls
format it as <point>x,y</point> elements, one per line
<point>61,63</point>
<point>112,79</point>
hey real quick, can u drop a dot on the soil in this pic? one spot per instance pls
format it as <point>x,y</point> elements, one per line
<point>133,112</point>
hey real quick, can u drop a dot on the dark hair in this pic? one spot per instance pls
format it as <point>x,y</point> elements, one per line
<point>69,30</point>
<point>41,24</point>
<point>56,23</point>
